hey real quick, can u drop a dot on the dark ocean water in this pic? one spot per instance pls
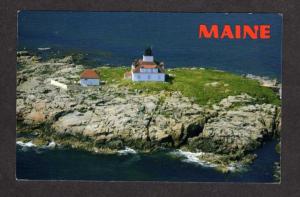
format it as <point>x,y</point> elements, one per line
<point>59,164</point>
<point>119,37</point>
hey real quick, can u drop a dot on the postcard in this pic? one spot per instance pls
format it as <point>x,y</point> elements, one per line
<point>149,96</point>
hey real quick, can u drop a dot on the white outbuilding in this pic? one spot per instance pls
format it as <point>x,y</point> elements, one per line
<point>89,77</point>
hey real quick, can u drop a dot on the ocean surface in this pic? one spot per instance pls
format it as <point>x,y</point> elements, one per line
<point>164,165</point>
<point>117,38</point>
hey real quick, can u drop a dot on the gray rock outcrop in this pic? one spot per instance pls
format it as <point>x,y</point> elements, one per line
<point>113,117</point>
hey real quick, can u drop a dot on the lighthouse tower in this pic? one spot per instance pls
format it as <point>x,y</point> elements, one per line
<point>148,57</point>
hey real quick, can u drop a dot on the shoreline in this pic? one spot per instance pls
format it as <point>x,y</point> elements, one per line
<point>179,155</point>
<point>146,116</point>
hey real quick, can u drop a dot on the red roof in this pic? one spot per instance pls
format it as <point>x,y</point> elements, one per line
<point>147,64</point>
<point>89,74</point>
<point>141,64</point>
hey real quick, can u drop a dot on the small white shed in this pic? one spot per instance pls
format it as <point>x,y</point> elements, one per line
<point>89,77</point>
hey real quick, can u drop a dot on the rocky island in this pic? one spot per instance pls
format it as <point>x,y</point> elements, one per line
<point>218,116</point>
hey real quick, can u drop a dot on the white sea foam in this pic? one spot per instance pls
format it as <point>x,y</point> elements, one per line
<point>191,157</point>
<point>44,49</point>
<point>236,167</point>
<point>51,145</point>
<point>231,168</point>
<point>127,151</point>
<point>27,144</point>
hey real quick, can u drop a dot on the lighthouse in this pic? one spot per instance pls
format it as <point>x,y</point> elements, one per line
<point>148,57</point>
<point>146,69</point>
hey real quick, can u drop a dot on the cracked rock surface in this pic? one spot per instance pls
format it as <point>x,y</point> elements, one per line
<point>114,117</point>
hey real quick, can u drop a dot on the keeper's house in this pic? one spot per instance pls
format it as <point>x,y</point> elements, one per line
<point>146,69</point>
<point>89,78</point>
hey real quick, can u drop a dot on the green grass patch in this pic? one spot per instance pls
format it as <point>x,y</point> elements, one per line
<point>203,86</point>
<point>111,75</point>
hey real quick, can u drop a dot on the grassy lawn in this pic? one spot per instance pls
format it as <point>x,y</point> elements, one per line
<point>111,74</point>
<point>204,86</point>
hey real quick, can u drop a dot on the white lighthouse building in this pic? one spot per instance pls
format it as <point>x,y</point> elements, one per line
<point>146,69</point>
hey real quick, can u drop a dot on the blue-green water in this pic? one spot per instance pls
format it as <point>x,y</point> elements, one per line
<point>60,164</point>
<point>118,38</point>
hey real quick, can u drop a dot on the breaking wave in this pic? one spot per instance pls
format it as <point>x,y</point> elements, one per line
<point>27,144</point>
<point>191,157</point>
<point>127,151</point>
<point>44,48</point>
